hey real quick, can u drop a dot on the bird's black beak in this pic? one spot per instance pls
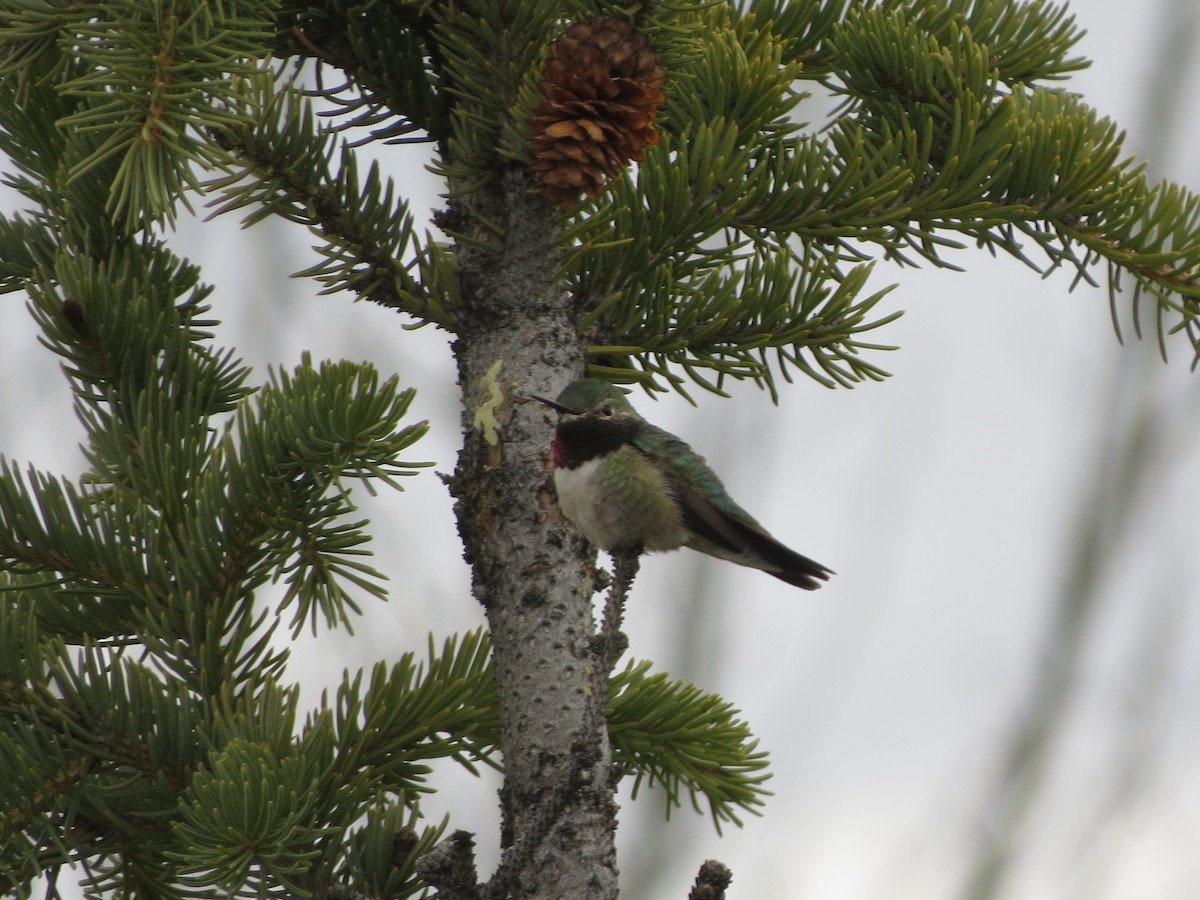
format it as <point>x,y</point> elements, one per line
<point>553,404</point>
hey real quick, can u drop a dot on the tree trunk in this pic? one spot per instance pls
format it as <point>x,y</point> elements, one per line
<point>531,572</point>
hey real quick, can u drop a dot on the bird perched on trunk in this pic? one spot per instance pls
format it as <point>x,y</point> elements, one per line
<point>627,485</point>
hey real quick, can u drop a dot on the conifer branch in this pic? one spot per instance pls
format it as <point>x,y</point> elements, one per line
<point>284,166</point>
<point>925,154</point>
<point>142,84</point>
<point>671,733</point>
<point>388,84</point>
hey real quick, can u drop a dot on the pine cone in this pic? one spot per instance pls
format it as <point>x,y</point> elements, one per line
<point>602,87</point>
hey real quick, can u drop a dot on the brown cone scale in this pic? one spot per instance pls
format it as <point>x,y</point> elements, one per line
<point>602,87</point>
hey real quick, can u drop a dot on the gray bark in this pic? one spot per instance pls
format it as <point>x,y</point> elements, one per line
<point>531,572</point>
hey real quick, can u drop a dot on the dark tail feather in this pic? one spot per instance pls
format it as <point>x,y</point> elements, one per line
<point>803,573</point>
<point>782,561</point>
<point>736,535</point>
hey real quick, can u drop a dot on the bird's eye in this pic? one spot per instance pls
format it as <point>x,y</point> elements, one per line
<point>606,410</point>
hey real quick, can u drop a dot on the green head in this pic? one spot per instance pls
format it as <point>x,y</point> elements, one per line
<point>590,394</point>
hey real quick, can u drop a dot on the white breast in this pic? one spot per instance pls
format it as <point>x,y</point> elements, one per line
<point>612,508</point>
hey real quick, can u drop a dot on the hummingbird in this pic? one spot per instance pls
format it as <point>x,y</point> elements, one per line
<point>627,485</point>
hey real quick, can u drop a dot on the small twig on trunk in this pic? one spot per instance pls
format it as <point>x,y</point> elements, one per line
<point>611,642</point>
<point>450,867</point>
<point>712,881</point>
